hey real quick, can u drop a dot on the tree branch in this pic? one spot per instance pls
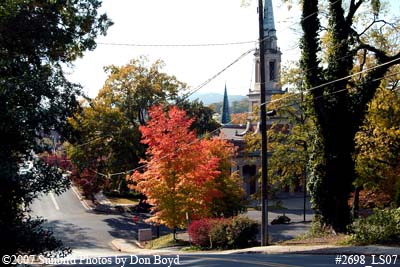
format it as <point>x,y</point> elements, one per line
<point>374,22</point>
<point>385,162</point>
<point>353,8</point>
<point>363,62</point>
<point>380,54</point>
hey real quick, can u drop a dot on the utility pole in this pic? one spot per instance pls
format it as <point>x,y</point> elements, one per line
<point>263,115</point>
<point>303,119</point>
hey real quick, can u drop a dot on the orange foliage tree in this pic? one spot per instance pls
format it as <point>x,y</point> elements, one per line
<point>179,169</point>
<point>231,199</point>
<point>239,118</point>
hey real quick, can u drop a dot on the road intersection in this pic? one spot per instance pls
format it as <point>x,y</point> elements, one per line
<point>91,235</point>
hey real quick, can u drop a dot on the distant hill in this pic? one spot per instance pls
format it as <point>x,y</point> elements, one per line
<point>209,98</point>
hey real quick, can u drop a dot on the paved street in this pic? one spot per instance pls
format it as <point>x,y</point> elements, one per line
<point>231,260</point>
<point>294,210</point>
<point>80,228</point>
<point>83,229</point>
<point>89,234</point>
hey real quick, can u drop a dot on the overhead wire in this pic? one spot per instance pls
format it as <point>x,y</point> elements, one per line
<point>223,70</point>
<point>197,88</point>
<point>336,92</point>
<point>199,44</point>
<point>176,45</point>
<point>221,127</point>
<point>334,81</point>
<point>247,52</point>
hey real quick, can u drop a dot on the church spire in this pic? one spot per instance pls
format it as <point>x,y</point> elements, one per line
<point>272,60</point>
<point>226,116</point>
<point>269,25</point>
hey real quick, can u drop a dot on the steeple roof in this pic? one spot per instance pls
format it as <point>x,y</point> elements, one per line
<point>269,24</point>
<point>226,116</point>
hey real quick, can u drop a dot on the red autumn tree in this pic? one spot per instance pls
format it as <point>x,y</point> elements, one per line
<point>178,169</point>
<point>59,160</point>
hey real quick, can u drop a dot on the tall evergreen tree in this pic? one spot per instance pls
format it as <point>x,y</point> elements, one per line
<point>339,101</point>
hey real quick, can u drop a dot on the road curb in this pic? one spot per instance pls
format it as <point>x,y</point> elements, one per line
<point>133,246</point>
<point>81,198</point>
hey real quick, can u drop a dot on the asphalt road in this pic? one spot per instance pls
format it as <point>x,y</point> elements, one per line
<point>231,260</point>
<point>83,229</point>
<point>294,210</point>
<point>89,235</point>
<point>80,228</point>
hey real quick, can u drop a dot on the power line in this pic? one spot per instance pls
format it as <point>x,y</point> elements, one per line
<point>177,44</point>
<point>334,81</point>
<point>223,70</point>
<point>276,100</point>
<point>200,44</point>
<point>145,165</point>
<point>184,97</point>
<point>197,88</point>
<point>338,91</point>
<point>205,45</point>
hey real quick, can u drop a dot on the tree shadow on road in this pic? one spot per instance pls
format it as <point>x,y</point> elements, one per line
<point>282,232</point>
<point>127,227</point>
<point>72,235</point>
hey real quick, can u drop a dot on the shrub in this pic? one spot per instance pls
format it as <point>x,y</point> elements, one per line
<point>199,232</point>
<point>397,195</point>
<point>236,232</point>
<point>219,233</point>
<point>381,227</point>
<point>242,232</point>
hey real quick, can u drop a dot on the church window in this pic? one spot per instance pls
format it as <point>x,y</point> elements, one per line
<point>272,70</point>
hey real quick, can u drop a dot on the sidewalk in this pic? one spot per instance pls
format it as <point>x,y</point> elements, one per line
<point>293,205</point>
<point>101,203</point>
<point>130,247</point>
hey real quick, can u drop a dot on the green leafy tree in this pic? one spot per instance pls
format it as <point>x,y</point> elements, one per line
<point>378,145</point>
<point>202,115</point>
<point>36,38</point>
<point>108,125</point>
<point>241,106</point>
<point>216,107</point>
<point>289,138</point>
<point>137,86</point>
<point>106,130</point>
<point>338,100</point>
<point>235,107</point>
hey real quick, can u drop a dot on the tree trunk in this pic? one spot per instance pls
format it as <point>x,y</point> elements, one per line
<point>356,199</point>
<point>339,112</point>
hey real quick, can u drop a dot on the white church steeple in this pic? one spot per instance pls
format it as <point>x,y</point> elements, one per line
<point>272,60</point>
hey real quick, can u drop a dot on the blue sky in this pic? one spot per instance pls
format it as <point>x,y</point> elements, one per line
<point>188,22</point>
